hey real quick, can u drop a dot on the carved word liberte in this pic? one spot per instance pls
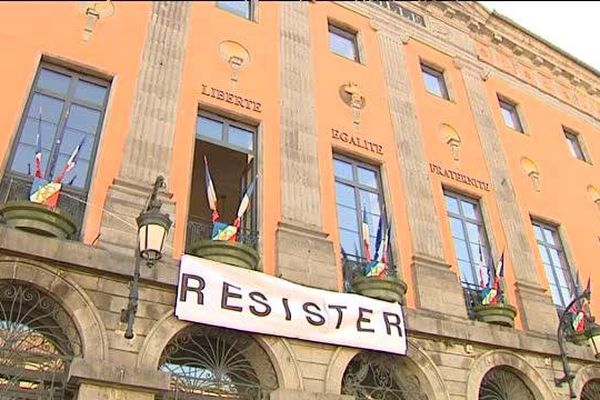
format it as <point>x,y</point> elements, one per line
<point>231,98</point>
<point>457,176</point>
<point>356,141</point>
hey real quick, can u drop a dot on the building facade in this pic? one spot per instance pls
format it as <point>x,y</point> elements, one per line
<point>473,139</point>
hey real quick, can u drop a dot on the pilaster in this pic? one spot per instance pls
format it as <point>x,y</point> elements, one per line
<point>304,255</point>
<point>535,306</point>
<point>149,142</point>
<point>432,276</point>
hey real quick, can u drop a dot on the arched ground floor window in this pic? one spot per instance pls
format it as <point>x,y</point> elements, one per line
<point>503,383</point>
<point>207,363</point>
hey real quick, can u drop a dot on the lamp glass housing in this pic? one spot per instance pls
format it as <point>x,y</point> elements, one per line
<point>152,232</point>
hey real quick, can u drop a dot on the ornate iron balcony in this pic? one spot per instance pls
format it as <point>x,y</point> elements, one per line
<point>198,229</point>
<point>471,292</point>
<point>73,202</point>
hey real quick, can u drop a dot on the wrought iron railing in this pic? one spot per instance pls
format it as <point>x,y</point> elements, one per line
<point>17,187</point>
<point>354,267</point>
<point>471,292</point>
<point>198,229</point>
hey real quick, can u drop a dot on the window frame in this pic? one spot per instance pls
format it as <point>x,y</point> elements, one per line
<point>252,8</point>
<point>560,249</point>
<point>484,239</point>
<point>69,99</point>
<point>357,186</point>
<point>512,107</point>
<point>572,136</point>
<point>345,33</point>
<point>440,75</point>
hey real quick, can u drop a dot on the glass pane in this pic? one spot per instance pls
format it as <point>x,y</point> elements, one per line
<point>477,258</point>
<point>344,194</point>
<point>562,277</point>
<point>83,119</point>
<point>238,7</point>
<point>77,176</point>
<point>549,236</point>
<point>209,128</point>
<point>457,228</point>
<point>466,272</point>
<point>566,294</point>
<point>460,247</point>
<point>342,45</point>
<point>469,210</point>
<point>71,140</point>
<point>367,177</point>
<point>350,242</point>
<point>538,233</point>
<point>508,115</point>
<point>240,137</point>
<point>556,296</point>
<point>347,218</point>
<point>473,233</point>
<point>90,92</point>
<point>452,204</point>
<point>343,169</point>
<point>23,160</point>
<point>370,201</point>
<point>373,221</point>
<point>53,81</point>
<point>433,83</point>
<point>544,254</point>
<point>555,257</point>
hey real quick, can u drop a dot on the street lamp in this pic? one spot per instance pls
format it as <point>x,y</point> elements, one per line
<point>591,332</point>
<point>153,227</point>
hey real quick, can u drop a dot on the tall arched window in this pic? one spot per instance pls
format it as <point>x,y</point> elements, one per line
<point>503,383</point>
<point>207,362</point>
<point>591,390</point>
<point>38,340</point>
<point>382,377</point>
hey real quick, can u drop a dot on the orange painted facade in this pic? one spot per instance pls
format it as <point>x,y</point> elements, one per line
<point>52,31</point>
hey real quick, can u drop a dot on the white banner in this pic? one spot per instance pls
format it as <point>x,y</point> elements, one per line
<point>221,295</point>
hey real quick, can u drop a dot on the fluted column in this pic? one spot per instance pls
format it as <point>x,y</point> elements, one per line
<point>149,142</point>
<point>304,255</point>
<point>436,286</point>
<point>536,308</point>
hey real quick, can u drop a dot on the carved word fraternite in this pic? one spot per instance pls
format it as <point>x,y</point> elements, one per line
<point>231,98</point>
<point>356,141</point>
<point>457,176</point>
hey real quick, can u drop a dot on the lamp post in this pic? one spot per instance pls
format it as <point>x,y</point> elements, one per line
<point>153,227</point>
<point>591,332</point>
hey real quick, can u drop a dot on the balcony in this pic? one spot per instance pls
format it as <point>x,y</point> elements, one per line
<point>471,292</point>
<point>500,313</point>
<point>64,221</point>
<point>241,253</point>
<point>388,288</point>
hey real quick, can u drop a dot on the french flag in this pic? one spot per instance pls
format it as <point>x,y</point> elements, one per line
<point>71,162</point>
<point>245,203</point>
<point>365,236</point>
<point>210,192</point>
<point>38,156</point>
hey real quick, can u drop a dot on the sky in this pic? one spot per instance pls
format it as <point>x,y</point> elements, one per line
<point>573,26</point>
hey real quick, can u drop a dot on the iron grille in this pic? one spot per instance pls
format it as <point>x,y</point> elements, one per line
<point>354,267</point>
<point>38,340</point>
<point>17,187</point>
<point>501,383</point>
<point>207,363</point>
<point>198,229</point>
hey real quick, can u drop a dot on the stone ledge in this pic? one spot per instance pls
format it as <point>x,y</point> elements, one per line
<point>78,254</point>
<point>288,394</point>
<point>99,371</point>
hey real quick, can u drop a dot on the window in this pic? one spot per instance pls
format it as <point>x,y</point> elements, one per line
<point>64,108</point>
<point>230,150</point>
<point>558,272</point>
<point>243,8</point>
<point>470,239</point>
<point>510,115</point>
<point>357,188</point>
<point>343,43</point>
<point>574,144</point>
<point>434,81</point>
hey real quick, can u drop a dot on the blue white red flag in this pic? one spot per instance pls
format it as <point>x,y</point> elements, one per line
<point>499,271</point>
<point>379,240</point>
<point>210,192</point>
<point>244,203</point>
<point>71,162</point>
<point>366,238</point>
<point>38,149</point>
